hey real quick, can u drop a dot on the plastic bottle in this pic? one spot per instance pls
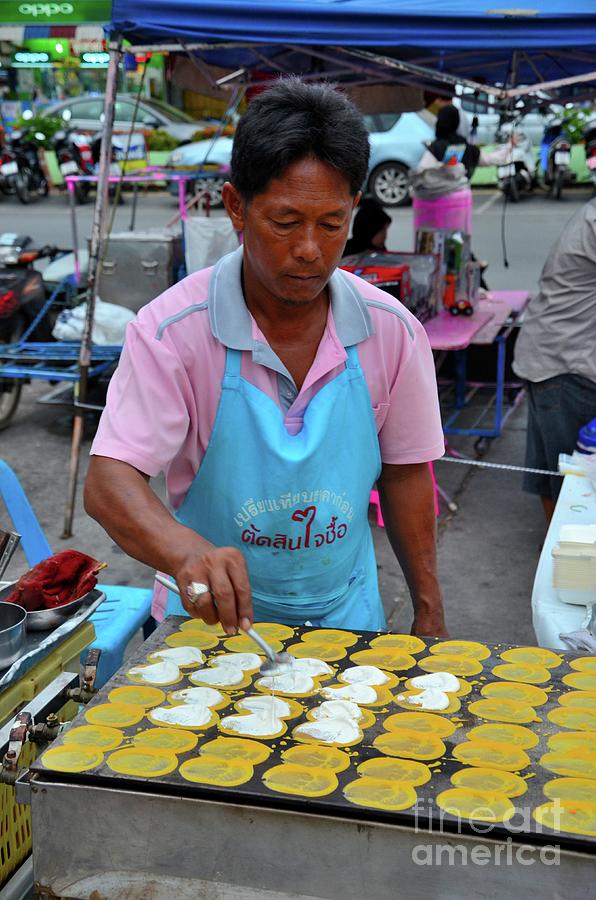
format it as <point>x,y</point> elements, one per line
<point>586,438</point>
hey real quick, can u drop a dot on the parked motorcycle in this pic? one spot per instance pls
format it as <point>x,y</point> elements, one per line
<point>22,296</point>
<point>518,176</point>
<point>555,158</point>
<point>589,137</point>
<point>29,179</point>
<point>75,157</point>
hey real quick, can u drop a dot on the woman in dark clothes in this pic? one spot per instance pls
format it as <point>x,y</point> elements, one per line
<point>369,229</point>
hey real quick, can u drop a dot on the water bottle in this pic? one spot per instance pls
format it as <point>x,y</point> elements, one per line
<point>586,438</point>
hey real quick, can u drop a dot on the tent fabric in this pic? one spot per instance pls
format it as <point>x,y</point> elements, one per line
<point>452,24</point>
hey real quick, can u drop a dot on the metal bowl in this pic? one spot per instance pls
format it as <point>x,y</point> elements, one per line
<point>12,633</point>
<point>44,619</point>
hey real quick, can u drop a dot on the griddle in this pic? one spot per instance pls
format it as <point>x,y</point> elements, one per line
<point>426,817</point>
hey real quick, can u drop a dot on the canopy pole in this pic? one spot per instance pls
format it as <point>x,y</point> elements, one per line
<point>97,238</point>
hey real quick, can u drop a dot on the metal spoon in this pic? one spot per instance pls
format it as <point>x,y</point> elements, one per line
<point>273,658</point>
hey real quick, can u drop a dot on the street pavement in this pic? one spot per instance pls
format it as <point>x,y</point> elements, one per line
<point>488,549</point>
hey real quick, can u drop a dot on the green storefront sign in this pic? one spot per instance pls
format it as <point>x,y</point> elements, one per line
<point>69,12</point>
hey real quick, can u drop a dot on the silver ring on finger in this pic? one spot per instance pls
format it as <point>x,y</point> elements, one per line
<point>196,589</point>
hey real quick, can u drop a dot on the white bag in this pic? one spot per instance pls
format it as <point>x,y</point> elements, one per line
<point>109,324</point>
<point>207,239</point>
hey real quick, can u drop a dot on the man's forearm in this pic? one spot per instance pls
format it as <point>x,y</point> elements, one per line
<point>407,502</point>
<point>119,497</point>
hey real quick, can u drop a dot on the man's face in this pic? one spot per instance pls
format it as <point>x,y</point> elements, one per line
<point>294,232</point>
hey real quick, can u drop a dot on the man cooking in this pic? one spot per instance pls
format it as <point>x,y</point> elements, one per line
<point>274,391</point>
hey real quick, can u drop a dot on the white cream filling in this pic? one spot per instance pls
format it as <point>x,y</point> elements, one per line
<point>220,676</point>
<point>337,730</point>
<point>258,724</point>
<point>431,698</point>
<point>289,683</point>
<point>244,661</point>
<point>311,666</point>
<point>270,705</point>
<point>181,656</point>
<point>165,672</point>
<point>205,695</point>
<point>192,715</point>
<point>363,675</point>
<point>337,709</point>
<point>358,693</point>
<point>442,681</point>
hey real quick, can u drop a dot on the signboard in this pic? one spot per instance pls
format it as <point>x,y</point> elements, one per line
<point>35,59</point>
<point>70,12</point>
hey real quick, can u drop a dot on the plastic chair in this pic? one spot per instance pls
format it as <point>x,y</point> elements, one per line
<point>374,499</point>
<point>117,619</point>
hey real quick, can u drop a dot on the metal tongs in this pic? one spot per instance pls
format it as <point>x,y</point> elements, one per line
<point>273,659</point>
<point>9,541</point>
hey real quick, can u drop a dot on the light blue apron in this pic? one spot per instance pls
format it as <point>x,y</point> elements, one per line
<point>295,505</point>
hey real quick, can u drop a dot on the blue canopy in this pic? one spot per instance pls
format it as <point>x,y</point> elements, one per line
<point>461,37</point>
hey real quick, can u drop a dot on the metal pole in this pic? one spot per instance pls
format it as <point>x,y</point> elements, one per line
<point>97,238</point>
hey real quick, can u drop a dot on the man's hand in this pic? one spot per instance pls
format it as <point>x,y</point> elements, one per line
<point>229,600</point>
<point>430,624</point>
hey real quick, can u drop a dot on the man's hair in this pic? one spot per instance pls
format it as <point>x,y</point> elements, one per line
<point>291,121</point>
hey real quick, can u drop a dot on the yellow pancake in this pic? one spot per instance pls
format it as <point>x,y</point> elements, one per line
<point>242,643</point>
<point>384,658</point>
<point>380,793</point>
<point>305,781</point>
<point>406,642</point>
<point>286,695</point>
<point>246,679</point>
<point>464,689</point>
<point>407,771</point>
<point>577,790</point>
<point>72,758</point>
<point>198,625</point>
<point>574,763</point>
<point>137,678</point>
<point>427,723</point>
<point>481,779</point>
<point>138,695</point>
<point>317,757</point>
<point>274,631</point>
<point>308,739</point>
<point>174,700</point>
<point>118,715</point>
<point>296,708</point>
<point>278,728</point>
<point>318,650</point>
<point>367,721</point>
<point>491,755</point>
<point>525,672</point>
<point>461,648</point>
<point>576,717</point>
<point>503,733</point>
<point>330,636</point>
<point>212,721</point>
<point>482,806</point>
<point>100,737</point>
<point>584,664</point>
<point>534,656</point>
<point>143,762</point>
<point>447,662</point>
<point>576,818</point>
<point>212,769</point>
<point>515,690</point>
<point>503,710</point>
<point>406,702</point>
<point>585,741</point>
<point>174,740</point>
<point>585,699</point>
<point>192,638</point>
<point>582,681</point>
<point>237,748</point>
<point>410,745</point>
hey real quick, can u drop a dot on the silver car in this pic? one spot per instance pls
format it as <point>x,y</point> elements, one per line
<point>86,113</point>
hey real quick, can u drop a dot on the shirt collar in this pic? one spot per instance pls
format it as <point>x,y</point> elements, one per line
<point>231,322</point>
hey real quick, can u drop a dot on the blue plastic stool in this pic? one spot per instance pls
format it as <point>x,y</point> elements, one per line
<point>117,619</point>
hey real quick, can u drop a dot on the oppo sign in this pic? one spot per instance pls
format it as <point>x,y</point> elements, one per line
<point>46,9</point>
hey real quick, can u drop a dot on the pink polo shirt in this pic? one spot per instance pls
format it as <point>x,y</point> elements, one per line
<point>163,397</point>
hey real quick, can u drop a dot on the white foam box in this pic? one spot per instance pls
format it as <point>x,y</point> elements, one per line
<point>574,564</point>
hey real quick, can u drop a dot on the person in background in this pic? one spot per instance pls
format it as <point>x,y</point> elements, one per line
<point>555,354</point>
<point>451,145</point>
<point>434,103</point>
<point>369,229</point>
